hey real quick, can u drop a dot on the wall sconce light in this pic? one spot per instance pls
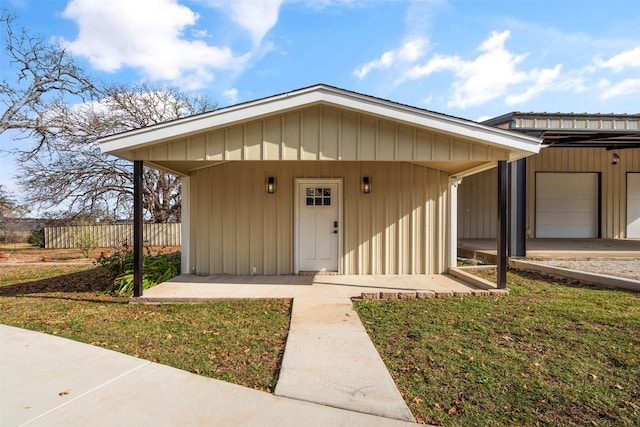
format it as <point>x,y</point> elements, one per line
<point>366,185</point>
<point>271,185</point>
<point>616,159</point>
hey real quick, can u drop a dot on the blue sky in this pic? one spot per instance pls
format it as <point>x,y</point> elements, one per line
<point>474,59</point>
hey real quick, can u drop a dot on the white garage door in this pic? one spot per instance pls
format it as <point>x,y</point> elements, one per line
<point>566,205</point>
<point>633,205</point>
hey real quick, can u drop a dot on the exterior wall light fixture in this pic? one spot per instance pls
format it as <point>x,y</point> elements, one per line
<point>271,185</point>
<point>616,159</point>
<point>366,185</point>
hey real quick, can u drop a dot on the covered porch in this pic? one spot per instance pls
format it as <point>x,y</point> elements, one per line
<point>321,180</point>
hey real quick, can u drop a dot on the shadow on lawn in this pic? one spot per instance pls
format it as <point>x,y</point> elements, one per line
<point>94,280</point>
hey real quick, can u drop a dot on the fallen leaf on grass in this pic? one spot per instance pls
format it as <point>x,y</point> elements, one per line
<point>417,400</point>
<point>633,405</point>
<point>453,410</point>
<point>507,338</point>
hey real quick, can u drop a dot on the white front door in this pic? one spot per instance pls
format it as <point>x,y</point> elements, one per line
<point>633,205</point>
<point>318,224</point>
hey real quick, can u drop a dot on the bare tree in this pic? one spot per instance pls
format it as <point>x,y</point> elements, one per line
<point>73,169</point>
<point>45,73</point>
<point>60,162</point>
<point>10,211</point>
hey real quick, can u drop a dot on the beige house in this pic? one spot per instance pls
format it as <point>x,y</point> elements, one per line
<point>584,183</point>
<point>320,179</point>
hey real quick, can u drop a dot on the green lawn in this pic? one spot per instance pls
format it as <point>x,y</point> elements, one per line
<point>548,354</point>
<point>236,341</point>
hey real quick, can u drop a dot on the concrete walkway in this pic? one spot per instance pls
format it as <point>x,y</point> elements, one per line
<point>52,381</point>
<point>329,359</point>
<point>331,373</point>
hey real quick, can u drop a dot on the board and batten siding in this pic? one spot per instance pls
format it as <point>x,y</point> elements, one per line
<point>320,133</point>
<point>477,195</point>
<point>110,235</point>
<point>399,228</point>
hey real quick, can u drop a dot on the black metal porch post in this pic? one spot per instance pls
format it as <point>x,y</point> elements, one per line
<point>138,259</point>
<point>518,205</point>
<point>503,185</point>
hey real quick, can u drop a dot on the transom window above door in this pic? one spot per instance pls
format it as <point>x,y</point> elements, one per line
<point>318,196</point>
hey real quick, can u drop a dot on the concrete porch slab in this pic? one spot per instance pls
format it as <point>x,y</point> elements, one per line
<point>207,288</point>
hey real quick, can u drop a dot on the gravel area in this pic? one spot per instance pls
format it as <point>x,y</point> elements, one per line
<point>621,267</point>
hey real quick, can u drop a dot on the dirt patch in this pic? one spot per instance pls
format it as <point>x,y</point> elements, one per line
<point>23,253</point>
<point>24,279</point>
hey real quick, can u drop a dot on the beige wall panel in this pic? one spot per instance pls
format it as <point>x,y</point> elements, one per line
<point>405,238</point>
<point>230,220</point>
<point>234,143</point>
<point>348,136</point>
<point>291,133</point>
<point>215,145</point>
<point>460,150</point>
<point>178,150</point>
<point>197,148</point>
<point>253,141</point>
<point>404,150</point>
<point>159,152</point>
<point>321,133</point>
<point>247,219</point>
<point>477,206</point>
<point>368,139</point>
<point>496,154</point>
<point>424,145</point>
<point>284,217</point>
<point>310,134</point>
<point>479,152</point>
<point>272,138</point>
<point>142,154</point>
<point>442,147</point>
<point>386,141</point>
<point>330,134</point>
<point>241,227</point>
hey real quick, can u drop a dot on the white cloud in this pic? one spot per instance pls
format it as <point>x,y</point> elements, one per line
<point>118,33</point>
<point>231,95</point>
<point>542,79</point>
<point>625,87</point>
<point>490,75</point>
<point>617,63</point>
<point>409,52</point>
<point>257,17</point>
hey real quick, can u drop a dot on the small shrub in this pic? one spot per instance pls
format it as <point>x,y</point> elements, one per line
<point>86,242</point>
<point>156,269</point>
<point>36,237</point>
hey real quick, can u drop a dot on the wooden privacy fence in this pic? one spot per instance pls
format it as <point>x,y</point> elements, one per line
<point>110,236</point>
